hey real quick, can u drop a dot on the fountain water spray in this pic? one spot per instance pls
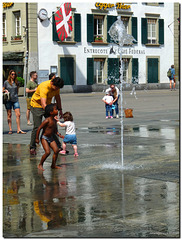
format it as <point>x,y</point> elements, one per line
<point>119,35</point>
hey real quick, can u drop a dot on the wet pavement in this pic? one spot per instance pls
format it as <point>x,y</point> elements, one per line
<point>93,195</point>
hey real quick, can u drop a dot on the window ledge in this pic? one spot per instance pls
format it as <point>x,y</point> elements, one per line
<point>16,41</point>
<point>5,43</point>
<point>99,43</point>
<point>152,45</point>
<point>68,42</point>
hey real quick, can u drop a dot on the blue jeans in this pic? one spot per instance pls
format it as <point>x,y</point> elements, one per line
<point>108,109</point>
<point>116,106</point>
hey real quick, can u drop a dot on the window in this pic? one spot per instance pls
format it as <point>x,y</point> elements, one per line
<point>74,35</point>
<point>154,3</point>
<point>17,23</point>
<point>152,30</point>
<point>151,25</point>
<point>4,25</point>
<point>67,66</point>
<point>125,64</point>
<point>125,21</point>
<point>98,70</point>
<point>98,28</point>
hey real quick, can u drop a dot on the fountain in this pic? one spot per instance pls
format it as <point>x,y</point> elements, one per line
<point>119,35</point>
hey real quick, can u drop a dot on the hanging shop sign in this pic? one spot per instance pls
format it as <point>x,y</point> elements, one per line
<point>104,6</point>
<point>7,4</point>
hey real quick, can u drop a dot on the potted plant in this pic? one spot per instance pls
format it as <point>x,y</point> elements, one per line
<point>4,38</point>
<point>20,81</point>
<point>99,39</point>
<point>17,37</point>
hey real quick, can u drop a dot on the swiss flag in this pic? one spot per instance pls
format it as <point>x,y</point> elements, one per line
<point>63,20</point>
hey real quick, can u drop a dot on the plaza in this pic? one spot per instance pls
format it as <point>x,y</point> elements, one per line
<point>92,195</point>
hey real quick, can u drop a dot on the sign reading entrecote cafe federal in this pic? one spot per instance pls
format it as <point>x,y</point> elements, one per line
<point>115,51</point>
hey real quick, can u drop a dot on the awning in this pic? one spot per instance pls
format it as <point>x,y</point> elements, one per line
<point>13,56</point>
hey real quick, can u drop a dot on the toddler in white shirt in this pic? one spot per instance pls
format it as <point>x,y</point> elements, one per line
<point>70,136</point>
<point>108,100</point>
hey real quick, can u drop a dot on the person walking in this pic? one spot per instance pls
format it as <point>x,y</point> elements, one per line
<point>30,89</point>
<point>11,85</point>
<point>171,76</point>
<point>40,99</point>
<point>115,94</point>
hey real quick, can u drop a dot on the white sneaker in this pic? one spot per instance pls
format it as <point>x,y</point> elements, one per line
<point>117,116</point>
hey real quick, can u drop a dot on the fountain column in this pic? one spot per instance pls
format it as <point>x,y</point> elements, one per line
<point>119,35</point>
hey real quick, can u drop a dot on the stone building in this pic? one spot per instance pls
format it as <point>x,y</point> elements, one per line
<point>19,29</point>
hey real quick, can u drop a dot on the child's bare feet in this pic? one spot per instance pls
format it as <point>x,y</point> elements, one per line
<point>55,167</point>
<point>40,167</point>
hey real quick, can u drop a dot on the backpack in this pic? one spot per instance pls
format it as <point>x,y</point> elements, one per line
<point>169,73</point>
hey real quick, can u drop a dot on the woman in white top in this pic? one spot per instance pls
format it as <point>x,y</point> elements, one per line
<point>70,136</point>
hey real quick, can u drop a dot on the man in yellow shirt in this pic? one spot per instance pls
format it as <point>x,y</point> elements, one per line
<point>40,99</point>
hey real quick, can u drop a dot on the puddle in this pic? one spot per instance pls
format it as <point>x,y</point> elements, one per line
<point>93,196</point>
<point>117,166</point>
<point>144,131</point>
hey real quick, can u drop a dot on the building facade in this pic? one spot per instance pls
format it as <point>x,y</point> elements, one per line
<point>20,43</point>
<point>89,58</point>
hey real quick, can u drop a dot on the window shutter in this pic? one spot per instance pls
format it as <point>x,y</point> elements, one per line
<point>77,28</point>
<point>144,30</point>
<point>153,70</point>
<point>113,71</point>
<point>161,31</point>
<point>90,71</point>
<point>134,70</point>
<point>134,28</point>
<point>90,28</point>
<point>110,21</point>
<point>54,32</point>
<point>67,70</point>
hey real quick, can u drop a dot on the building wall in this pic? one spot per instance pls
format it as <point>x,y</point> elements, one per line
<point>50,51</point>
<point>12,46</point>
<point>27,45</point>
<point>33,37</point>
<point>176,39</point>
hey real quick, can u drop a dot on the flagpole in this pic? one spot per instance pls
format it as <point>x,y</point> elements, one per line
<point>171,30</point>
<point>54,12</point>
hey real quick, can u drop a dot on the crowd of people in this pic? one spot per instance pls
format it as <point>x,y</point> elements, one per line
<point>39,103</point>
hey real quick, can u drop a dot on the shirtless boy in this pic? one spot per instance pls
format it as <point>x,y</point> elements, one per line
<point>49,126</point>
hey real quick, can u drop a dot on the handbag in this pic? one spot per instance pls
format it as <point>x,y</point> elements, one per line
<point>6,97</point>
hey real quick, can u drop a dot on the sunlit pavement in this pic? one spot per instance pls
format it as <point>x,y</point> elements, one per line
<point>93,195</point>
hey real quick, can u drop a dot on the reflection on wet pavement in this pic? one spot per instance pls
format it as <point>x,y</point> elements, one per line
<point>92,196</point>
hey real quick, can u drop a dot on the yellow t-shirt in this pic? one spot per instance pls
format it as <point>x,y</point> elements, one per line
<point>44,90</point>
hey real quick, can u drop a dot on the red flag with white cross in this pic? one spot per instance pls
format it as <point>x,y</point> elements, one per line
<point>63,20</point>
